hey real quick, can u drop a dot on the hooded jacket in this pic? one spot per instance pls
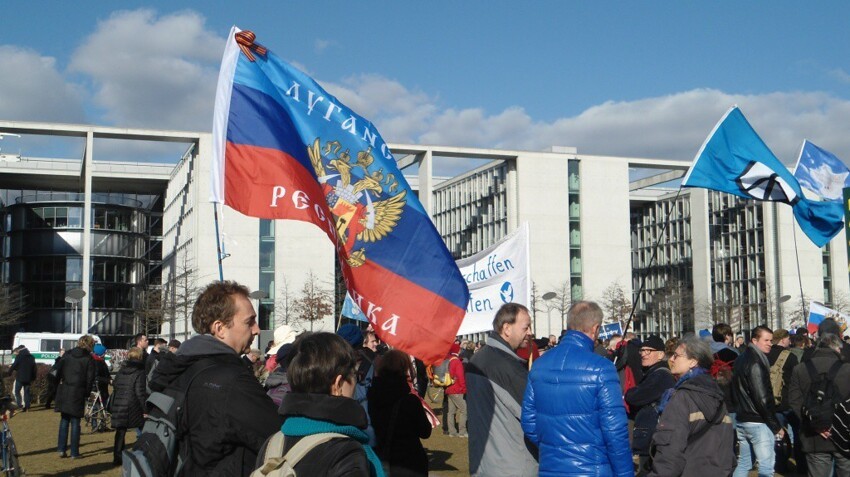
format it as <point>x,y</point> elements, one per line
<point>751,390</point>
<point>76,373</point>
<point>394,410</point>
<point>495,383</point>
<point>129,396</point>
<point>227,414</point>
<point>695,436</point>
<point>573,410</point>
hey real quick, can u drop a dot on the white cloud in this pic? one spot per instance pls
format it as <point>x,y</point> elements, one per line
<point>160,72</point>
<point>667,127</point>
<point>33,89</point>
<point>321,45</point>
<point>840,75</point>
<point>150,71</point>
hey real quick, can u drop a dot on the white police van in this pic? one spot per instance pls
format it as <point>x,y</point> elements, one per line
<point>45,347</point>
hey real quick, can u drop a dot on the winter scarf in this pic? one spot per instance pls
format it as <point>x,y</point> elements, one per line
<point>304,426</point>
<point>665,398</point>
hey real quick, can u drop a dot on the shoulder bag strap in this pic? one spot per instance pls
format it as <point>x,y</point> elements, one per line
<point>297,452</point>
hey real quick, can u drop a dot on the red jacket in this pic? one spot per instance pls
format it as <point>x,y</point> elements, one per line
<point>458,375</point>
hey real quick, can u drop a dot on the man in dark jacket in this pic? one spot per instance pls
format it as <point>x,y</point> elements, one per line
<point>160,347</point>
<point>752,395</point>
<point>657,379</point>
<point>25,367</point>
<point>227,414</point>
<point>495,383</point>
<point>821,453</point>
<point>573,410</point>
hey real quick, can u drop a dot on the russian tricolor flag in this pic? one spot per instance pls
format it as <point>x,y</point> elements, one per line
<point>283,148</point>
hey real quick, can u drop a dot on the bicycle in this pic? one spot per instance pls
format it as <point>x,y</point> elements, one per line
<point>8,450</point>
<point>96,415</point>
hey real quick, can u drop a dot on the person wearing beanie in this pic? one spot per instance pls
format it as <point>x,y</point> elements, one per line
<point>456,394</point>
<point>102,377</point>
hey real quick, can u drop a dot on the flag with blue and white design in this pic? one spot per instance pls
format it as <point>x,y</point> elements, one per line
<point>351,310</point>
<point>735,160</point>
<point>821,172</point>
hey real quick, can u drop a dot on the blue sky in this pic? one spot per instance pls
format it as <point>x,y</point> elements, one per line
<point>645,79</point>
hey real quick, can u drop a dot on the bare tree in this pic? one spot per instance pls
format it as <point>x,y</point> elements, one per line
<point>13,304</point>
<point>615,303</point>
<point>284,312</point>
<point>841,302</point>
<point>672,309</point>
<point>562,302</point>
<point>314,302</point>
<point>180,291</point>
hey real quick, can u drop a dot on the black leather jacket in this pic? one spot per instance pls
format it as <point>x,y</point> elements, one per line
<point>752,394</point>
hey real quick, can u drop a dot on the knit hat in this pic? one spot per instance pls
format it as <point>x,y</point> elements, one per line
<point>99,349</point>
<point>283,334</point>
<point>352,334</point>
<point>829,326</point>
<point>283,355</point>
<point>655,342</point>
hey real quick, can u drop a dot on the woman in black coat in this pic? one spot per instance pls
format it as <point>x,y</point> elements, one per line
<point>75,373</point>
<point>128,399</point>
<point>398,417</point>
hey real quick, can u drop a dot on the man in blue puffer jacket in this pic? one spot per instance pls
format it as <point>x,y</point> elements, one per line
<point>573,407</point>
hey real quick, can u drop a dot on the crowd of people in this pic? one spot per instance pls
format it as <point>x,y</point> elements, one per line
<point>344,404</point>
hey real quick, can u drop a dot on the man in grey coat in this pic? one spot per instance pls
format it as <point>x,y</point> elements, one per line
<point>495,383</point>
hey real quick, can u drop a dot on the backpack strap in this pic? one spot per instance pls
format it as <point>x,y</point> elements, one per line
<point>296,453</point>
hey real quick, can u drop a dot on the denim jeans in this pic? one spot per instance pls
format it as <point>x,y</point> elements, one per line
<point>74,422</point>
<point>755,438</point>
<point>26,400</point>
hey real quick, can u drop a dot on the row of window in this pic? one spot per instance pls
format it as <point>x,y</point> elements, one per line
<point>48,295</point>
<point>59,217</point>
<point>70,269</point>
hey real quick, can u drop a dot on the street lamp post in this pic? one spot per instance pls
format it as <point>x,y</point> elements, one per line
<point>74,296</point>
<point>548,297</point>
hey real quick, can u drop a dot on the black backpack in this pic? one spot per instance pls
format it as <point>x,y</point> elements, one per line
<point>819,403</point>
<point>646,420</point>
<point>157,452</point>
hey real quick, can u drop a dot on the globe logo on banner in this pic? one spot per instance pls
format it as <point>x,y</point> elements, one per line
<point>507,292</point>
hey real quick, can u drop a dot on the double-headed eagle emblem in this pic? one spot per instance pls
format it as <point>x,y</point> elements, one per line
<point>357,216</point>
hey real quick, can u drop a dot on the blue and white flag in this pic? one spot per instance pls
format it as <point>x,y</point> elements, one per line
<point>351,310</point>
<point>735,160</point>
<point>822,172</point>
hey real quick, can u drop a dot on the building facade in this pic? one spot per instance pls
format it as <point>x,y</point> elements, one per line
<point>140,239</point>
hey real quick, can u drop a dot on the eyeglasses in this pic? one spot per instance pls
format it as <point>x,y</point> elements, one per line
<point>645,351</point>
<point>678,356</point>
